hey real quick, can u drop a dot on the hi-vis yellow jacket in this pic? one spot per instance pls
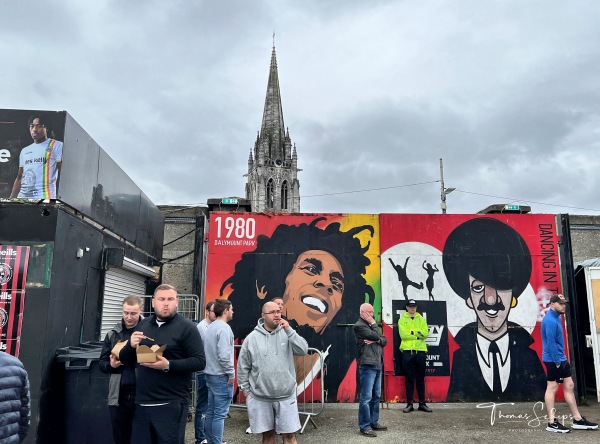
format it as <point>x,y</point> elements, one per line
<point>413,332</point>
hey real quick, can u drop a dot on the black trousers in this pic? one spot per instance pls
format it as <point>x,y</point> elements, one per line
<point>121,416</point>
<point>414,371</point>
<point>161,424</point>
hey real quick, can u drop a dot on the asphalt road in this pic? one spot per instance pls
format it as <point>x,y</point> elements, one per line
<point>449,423</point>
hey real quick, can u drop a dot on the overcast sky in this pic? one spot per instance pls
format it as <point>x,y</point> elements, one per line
<point>374,94</point>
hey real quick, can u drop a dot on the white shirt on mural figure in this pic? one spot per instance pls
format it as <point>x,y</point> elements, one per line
<point>485,360</point>
<point>40,169</point>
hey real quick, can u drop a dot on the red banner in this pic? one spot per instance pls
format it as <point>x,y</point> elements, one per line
<point>13,275</point>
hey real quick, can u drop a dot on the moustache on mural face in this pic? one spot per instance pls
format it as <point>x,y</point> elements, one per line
<point>498,305</point>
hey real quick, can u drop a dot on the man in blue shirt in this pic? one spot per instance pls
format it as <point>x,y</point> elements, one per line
<point>558,369</point>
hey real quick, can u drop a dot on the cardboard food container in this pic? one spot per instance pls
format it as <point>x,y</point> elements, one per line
<point>117,348</point>
<point>149,354</point>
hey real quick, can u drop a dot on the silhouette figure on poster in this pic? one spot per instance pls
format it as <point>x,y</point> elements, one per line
<point>488,264</point>
<point>430,272</point>
<point>319,274</point>
<point>403,278</point>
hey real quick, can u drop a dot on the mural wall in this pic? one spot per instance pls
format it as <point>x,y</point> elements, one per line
<point>482,283</point>
<point>324,267</point>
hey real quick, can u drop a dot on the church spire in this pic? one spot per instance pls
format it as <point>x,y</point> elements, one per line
<point>273,170</point>
<point>272,127</point>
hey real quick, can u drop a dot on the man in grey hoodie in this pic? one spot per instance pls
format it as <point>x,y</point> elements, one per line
<point>267,376</point>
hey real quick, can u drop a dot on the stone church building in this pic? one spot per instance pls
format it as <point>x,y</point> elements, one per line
<point>273,164</point>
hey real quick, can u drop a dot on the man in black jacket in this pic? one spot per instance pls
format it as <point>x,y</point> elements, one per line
<point>369,350</point>
<point>162,387</point>
<point>121,385</point>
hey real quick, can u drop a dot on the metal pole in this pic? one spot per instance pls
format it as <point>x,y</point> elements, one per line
<point>383,399</point>
<point>442,189</point>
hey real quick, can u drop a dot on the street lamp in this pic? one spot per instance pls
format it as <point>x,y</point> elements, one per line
<point>445,192</point>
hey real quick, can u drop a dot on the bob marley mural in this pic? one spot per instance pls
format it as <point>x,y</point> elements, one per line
<point>323,267</point>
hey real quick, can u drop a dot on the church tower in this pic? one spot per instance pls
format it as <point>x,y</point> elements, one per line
<point>273,165</point>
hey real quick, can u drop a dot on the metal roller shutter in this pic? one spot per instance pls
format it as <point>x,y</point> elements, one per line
<point>118,283</point>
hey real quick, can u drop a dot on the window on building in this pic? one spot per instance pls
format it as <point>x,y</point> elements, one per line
<point>270,194</point>
<point>284,195</point>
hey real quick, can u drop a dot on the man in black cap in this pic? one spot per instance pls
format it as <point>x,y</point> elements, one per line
<point>558,368</point>
<point>413,331</point>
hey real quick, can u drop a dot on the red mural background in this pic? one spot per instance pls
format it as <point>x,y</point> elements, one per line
<point>404,256</point>
<point>422,238</point>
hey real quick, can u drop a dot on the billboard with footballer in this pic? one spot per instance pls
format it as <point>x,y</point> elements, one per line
<point>31,150</point>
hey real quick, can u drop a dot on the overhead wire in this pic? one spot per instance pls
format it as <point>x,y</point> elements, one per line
<point>180,237</point>
<point>511,199</point>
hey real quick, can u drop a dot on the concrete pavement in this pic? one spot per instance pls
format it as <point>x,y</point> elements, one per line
<point>449,423</point>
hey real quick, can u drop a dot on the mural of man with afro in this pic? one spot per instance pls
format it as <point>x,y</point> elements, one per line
<point>319,274</point>
<point>488,264</point>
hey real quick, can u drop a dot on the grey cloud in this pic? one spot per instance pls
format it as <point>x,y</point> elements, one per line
<point>374,93</point>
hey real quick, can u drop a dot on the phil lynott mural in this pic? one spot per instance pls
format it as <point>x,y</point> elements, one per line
<point>482,282</point>
<point>324,267</point>
<point>488,264</point>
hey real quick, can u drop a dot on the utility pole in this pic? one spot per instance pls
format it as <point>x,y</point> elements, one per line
<point>444,191</point>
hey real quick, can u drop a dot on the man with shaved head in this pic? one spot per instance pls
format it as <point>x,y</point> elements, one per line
<point>267,376</point>
<point>369,350</point>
